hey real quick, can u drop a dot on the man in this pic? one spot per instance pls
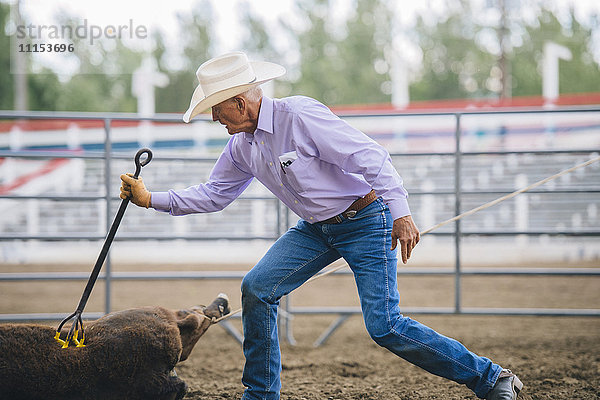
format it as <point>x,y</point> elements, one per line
<point>351,202</point>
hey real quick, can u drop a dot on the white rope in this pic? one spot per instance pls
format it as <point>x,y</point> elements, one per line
<point>456,218</point>
<point>231,314</point>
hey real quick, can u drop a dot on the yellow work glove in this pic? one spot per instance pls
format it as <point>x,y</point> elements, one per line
<point>135,190</point>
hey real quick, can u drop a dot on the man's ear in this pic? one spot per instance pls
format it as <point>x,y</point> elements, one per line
<point>240,104</point>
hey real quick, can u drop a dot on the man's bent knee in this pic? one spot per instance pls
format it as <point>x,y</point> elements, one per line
<point>382,338</point>
<point>384,332</point>
<point>253,286</point>
<point>249,287</point>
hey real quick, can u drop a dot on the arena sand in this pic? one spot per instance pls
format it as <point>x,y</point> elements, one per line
<point>556,357</point>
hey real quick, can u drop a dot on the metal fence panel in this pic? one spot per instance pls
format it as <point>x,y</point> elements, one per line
<point>446,184</point>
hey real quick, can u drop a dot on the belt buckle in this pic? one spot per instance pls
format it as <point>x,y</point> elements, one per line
<point>350,214</point>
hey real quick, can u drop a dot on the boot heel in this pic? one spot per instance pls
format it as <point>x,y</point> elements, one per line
<point>518,385</point>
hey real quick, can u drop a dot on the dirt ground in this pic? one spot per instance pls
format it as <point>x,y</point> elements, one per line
<point>555,357</point>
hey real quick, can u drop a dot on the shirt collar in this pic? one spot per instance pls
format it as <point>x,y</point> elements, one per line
<point>265,118</point>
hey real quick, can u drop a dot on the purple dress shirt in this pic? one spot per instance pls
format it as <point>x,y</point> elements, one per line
<point>313,161</point>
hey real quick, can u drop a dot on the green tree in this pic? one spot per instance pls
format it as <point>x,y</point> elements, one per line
<point>6,78</point>
<point>341,70</point>
<point>258,44</point>
<point>103,82</point>
<point>43,86</point>
<point>579,75</point>
<point>458,61</point>
<point>454,65</point>
<point>43,90</point>
<point>196,35</point>
<point>318,75</point>
<point>368,35</point>
<point>256,38</point>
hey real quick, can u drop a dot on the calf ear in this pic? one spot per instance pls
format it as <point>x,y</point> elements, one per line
<point>189,323</point>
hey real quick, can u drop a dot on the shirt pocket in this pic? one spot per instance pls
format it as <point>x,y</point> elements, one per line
<point>298,174</point>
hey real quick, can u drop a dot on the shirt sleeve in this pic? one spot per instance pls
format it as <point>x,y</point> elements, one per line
<point>326,136</point>
<point>226,182</point>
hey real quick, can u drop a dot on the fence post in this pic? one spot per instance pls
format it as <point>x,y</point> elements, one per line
<point>107,187</point>
<point>457,211</point>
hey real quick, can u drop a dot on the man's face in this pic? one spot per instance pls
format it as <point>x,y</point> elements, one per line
<point>231,113</point>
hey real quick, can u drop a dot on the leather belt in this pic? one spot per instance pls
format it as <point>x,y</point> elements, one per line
<point>353,209</point>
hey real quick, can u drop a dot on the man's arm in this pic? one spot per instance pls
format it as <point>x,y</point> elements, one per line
<point>226,182</point>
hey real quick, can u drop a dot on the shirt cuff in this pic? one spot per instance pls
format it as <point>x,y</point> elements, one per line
<point>399,208</point>
<point>160,201</point>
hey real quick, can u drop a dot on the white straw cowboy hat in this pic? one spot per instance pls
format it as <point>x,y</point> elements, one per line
<point>226,76</point>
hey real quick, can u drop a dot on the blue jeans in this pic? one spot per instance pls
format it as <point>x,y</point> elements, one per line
<point>364,241</point>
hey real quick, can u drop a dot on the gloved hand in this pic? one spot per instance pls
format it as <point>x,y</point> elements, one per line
<point>135,190</point>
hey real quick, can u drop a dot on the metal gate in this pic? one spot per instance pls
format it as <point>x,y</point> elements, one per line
<point>453,188</point>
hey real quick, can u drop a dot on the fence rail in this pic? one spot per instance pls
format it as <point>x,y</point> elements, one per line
<point>282,221</point>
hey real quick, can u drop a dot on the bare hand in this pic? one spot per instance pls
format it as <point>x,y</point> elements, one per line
<point>406,232</point>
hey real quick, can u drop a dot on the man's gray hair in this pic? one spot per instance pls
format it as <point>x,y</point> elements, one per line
<point>253,94</point>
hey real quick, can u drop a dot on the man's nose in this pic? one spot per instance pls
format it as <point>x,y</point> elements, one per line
<point>216,116</point>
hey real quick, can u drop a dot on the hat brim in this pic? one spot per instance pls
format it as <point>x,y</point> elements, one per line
<point>265,71</point>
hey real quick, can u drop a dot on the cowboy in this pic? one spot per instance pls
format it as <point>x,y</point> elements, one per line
<point>351,202</point>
